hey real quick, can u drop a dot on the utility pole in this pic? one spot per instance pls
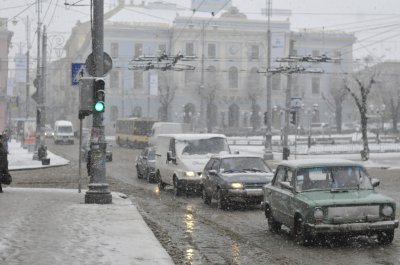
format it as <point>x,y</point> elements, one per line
<point>28,47</point>
<point>42,93</point>
<point>268,135</point>
<point>98,188</point>
<point>38,84</point>
<point>288,98</point>
<point>202,112</point>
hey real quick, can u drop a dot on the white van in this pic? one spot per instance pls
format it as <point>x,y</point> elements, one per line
<point>167,128</point>
<point>180,159</point>
<point>63,132</point>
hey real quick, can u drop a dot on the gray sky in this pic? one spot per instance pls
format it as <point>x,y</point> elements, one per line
<point>375,22</point>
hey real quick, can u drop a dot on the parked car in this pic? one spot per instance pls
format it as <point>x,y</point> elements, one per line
<point>85,151</point>
<point>145,164</point>
<point>328,197</point>
<point>235,178</point>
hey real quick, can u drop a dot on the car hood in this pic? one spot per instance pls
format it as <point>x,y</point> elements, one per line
<point>353,197</point>
<point>258,177</point>
<point>151,163</point>
<point>194,163</point>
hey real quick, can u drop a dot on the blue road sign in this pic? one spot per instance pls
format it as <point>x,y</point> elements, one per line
<point>76,72</point>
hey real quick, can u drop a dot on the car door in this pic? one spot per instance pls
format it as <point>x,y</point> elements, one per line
<point>215,179</point>
<point>280,197</point>
<point>171,165</point>
<point>206,177</point>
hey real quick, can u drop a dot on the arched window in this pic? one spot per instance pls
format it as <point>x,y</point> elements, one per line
<point>233,77</point>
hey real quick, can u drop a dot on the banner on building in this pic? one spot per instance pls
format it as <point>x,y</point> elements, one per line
<point>20,68</point>
<point>277,47</point>
<point>153,83</point>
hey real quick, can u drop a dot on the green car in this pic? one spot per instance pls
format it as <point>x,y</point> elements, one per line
<point>327,197</point>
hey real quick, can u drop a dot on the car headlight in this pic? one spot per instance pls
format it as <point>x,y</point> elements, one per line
<point>387,210</point>
<point>318,214</point>
<point>237,185</point>
<point>190,174</point>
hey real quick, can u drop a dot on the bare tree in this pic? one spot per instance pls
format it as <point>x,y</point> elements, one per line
<point>166,96</point>
<point>359,87</point>
<point>334,100</point>
<point>254,92</point>
<point>210,94</point>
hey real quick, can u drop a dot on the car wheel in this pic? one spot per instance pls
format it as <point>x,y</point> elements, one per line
<point>301,235</point>
<point>221,200</point>
<point>161,184</point>
<point>177,190</point>
<point>206,198</point>
<point>110,159</point>
<point>273,225</point>
<point>139,175</point>
<point>386,237</point>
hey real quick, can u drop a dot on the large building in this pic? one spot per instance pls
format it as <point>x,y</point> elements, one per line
<point>227,89</point>
<point>5,40</point>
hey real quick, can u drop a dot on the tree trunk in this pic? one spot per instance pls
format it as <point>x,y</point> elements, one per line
<point>364,121</point>
<point>338,117</point>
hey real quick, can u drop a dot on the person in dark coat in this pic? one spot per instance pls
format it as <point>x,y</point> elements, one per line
<point>3,159</point>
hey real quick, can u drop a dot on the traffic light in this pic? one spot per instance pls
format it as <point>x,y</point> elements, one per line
<point>265,118</point>
<point>99,96</point>
<point>293,117</point>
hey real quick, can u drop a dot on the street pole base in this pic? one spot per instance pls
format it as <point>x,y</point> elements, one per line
<point>98,194</point>
<point>98,198</point>
<point>268,155</point>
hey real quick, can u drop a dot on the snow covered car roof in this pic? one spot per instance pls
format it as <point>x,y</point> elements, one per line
<point>303,163</point>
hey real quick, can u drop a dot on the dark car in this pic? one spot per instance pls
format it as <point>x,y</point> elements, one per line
<point>235,178</point>
<point>86,147</point>
<point>145,164</point>
<point>332,197</point>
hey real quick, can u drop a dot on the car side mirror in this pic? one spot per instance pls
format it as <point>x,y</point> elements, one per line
<point>212,172</point>
<point>170,157</point>
<point>375,182</point>
<point>285,185</point>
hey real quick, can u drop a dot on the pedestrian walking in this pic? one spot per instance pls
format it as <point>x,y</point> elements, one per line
<point>3,164</point>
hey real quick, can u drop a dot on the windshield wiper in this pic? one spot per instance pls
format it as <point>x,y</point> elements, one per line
<point>339,190</point>
<point>254,170</point>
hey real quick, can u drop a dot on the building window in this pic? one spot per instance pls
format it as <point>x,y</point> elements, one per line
<point>114,80</point>
<point>211,50</point>
<point>255,52</point>
<point>315,85</point>
<point>137,80</point>
<point>138,49</point>
<point>276,82</point>
<point>114,50</point>
<point>189,49</point>
<point>233,77</point>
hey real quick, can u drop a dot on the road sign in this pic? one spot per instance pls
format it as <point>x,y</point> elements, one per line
<point>91,67</point>
<point>76,72</point>
<point>296,103</point>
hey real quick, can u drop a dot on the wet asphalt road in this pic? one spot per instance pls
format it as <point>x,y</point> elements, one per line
<point>195,233</point>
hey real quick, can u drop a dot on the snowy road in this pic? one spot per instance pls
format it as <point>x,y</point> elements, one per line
<point>194,233</point>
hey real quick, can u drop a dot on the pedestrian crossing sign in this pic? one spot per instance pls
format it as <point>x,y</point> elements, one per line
<point>76,72</point>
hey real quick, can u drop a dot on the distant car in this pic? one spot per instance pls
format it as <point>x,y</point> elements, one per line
<point>145,164</point>
<point>328,197</point>
<point>235,178</point>
<point>48,132</point>
<point>320,128</point>
<point>85,151</point>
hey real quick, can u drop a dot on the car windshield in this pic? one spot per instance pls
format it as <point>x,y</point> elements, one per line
<point>243,164</point>
<point>65,129</point>
<point>213,145</point>
<point>151,155</point>
<point>332,178</point>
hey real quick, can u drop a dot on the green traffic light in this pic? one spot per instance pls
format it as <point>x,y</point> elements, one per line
<point>99,106</point>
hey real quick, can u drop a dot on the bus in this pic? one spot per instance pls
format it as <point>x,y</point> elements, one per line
<point>133,132</point>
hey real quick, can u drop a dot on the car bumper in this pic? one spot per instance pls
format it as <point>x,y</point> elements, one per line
<point>244,195</point>
<point>190,184</point>
<point>352,227</point>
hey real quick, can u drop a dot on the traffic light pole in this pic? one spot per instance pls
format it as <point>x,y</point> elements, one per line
<point>98,188</point>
